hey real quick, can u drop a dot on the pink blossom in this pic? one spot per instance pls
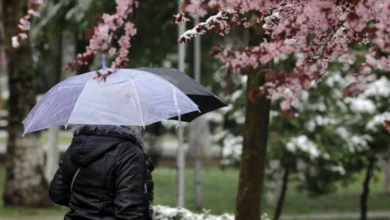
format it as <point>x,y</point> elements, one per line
<point>320,31</point>
<point>371,60</point>
<point>23,36</point>
<point>111,27</point>
<point>124,42</point>
<point>24,24</point>
<point>286,105</point>
<point>123,52</point>
<point>195,8</point>
<point>130,29</point>
<point>109,19</point>
<point>104,46</point>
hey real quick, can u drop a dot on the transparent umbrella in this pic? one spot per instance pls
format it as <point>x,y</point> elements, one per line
<point>129,97</point>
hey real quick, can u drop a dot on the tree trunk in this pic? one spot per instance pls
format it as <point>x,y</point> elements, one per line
<point>200,123</point>
<point>57,61</point>
<point>181,163</point>
<point>386,171</point>
<point>248,201</point>
<point>53,153</point>
<point>200,142</point>
<point>228,91</point>
<point>282,196</point>
<point>366,188</point>
<point>25,184</point>
<point>2,53</point>
<point>384,163</point>
<point>80,44</point>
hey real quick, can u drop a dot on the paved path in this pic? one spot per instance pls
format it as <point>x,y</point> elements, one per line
<point>347,215</point>
<point>324,216</point>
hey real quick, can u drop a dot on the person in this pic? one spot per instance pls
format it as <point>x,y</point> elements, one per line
<point>105,174</point>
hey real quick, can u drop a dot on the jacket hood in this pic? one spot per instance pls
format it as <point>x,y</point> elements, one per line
<point>91,142</point>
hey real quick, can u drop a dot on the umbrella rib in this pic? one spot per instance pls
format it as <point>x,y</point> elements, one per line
<point>139,103</point>
<point>77,102</point>
<point>135,109</point>
<point>34,118</point>
<point>165,80</point>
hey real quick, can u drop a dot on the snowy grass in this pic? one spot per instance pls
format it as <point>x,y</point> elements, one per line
<point>219,191</point>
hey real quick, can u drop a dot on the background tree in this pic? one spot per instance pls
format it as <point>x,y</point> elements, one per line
<point>368,111</point>
<point>320,30</point>
<point>25,181</point>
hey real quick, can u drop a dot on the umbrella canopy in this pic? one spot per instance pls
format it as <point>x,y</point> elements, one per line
<point>131,97</point>
<point>199,94</point>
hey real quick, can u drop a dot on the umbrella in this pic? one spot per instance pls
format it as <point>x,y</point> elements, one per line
<point>199,94</point>
<point>130,97</point>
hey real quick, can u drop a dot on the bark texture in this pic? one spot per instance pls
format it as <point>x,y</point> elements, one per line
<point>279,207</point>
<point>248,200</point>
<point>25,185</point>
<point>53,153</point>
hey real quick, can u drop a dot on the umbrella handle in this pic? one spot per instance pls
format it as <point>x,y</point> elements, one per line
<point>177,107</point>
<point>104,62</point>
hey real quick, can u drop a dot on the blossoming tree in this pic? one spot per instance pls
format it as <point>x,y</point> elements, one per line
<point>25,184</point>
<point>320,31</point>
<point>367,113</point>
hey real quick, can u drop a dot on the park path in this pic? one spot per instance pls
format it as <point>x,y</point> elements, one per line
<point>347,215</point>
<point>324,216</point>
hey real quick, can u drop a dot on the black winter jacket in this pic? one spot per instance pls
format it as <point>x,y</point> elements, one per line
<point>114,175</point>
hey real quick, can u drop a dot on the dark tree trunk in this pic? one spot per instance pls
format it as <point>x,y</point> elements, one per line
<point>53,153</point>
<point>58,50</point>
<point>25,184</point>
<point>366,188</point>
<point>229,90</point>
<point>254,149</point>
<point>282,196</point>
<point>80,43</point>
<point>248,201</point>
<point>2,52</point>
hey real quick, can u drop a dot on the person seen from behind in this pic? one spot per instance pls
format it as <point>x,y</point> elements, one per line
<point>105,174</point>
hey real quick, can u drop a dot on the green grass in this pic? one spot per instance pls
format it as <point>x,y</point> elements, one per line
<point>219,191</point>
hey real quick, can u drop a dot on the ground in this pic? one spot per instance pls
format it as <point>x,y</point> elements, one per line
<point>219,191</point>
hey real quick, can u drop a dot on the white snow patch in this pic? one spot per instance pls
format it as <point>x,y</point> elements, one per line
<point>304,144</point>
<point>378,88</point>
<point>363,106</point>
<point>378,121</point>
